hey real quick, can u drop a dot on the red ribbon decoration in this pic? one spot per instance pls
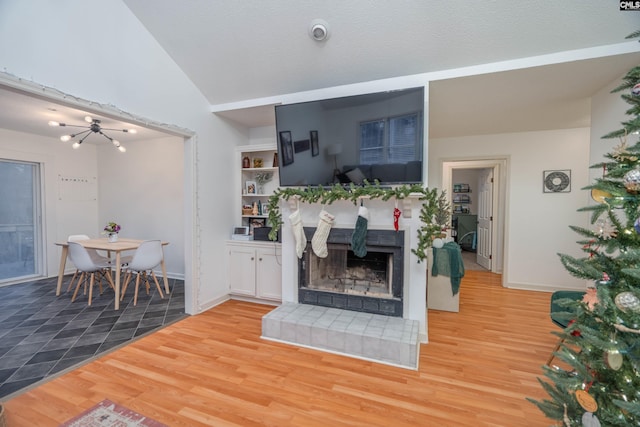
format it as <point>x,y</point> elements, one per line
<point>396,216</point>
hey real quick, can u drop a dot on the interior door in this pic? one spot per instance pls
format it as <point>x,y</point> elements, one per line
<point>485,218</point>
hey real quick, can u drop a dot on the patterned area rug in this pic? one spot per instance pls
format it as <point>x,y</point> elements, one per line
<point>109,414</point>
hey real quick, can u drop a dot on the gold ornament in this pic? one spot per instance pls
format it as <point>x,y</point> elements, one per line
<point>600,196</point>
<point>587,402</point>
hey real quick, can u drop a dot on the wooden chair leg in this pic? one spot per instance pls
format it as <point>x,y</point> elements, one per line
<point>147,285</point>
<point>155,279</point>
<point>91,287</point>
<point>99,281</point>
<point>135,295</point>
<point>75,275</point>
<point>123,288</point>
<point>80,280</point>
<point>553,353</point>
<point>107,275</point>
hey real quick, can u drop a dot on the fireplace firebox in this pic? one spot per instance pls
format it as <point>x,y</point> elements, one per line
<point>372,284</point>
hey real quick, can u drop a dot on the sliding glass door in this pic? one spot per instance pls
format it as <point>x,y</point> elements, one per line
<point>20,230</point>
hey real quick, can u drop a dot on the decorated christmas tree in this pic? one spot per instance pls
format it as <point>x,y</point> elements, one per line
<point>597,380</point>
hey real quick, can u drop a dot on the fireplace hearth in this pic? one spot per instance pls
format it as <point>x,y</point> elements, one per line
<point>371,284</point>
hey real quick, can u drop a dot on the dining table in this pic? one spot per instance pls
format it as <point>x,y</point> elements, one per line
<point>118,247</point>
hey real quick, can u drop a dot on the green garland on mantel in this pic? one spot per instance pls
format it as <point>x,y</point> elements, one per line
<point>434,212</point>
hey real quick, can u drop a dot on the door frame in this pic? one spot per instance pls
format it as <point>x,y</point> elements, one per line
<point>500,168</point>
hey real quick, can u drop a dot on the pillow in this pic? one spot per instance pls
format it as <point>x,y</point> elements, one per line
<point>356,176</point>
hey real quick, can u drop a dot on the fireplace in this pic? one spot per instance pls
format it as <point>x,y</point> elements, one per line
<point>372,284</point>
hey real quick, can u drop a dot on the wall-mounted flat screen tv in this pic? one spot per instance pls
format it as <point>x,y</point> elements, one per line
<point>376,136</point>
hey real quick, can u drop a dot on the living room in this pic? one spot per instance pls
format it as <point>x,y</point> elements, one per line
<point>133,72</point>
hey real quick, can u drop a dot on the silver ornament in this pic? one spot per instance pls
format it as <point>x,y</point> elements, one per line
<point>631,180</point>
<point>590,420</point>
<point>627,301</point>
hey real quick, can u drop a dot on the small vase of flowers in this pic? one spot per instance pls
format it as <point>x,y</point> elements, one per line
<point>111,230</point>
<point>261,179</point>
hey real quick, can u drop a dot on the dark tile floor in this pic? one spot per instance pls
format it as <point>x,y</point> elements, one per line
<point>41,334</point>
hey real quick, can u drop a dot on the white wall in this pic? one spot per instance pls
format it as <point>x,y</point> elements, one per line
<point>114,61</point>
<point>142,190</point>
<point>537,223</point>
<point>607,112</point>
<point>61,217</point>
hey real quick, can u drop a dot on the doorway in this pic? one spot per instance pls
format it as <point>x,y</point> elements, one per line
<point>20,228</point>
<point>484,204</point>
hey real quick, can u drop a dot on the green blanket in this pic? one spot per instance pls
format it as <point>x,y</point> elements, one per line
<point>448,262</point>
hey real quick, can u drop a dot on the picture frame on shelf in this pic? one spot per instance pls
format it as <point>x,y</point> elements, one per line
<point>315,149</point>
<point>250,187</point>
<point>286,147</point>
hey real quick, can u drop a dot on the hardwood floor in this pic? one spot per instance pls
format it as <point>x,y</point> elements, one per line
<point>214,370</point>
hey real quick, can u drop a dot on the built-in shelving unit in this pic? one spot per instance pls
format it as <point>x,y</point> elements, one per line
<point>256,161</point>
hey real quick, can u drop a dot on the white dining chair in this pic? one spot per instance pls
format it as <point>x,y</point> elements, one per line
<point>88,269</point>
<point>145,258</point>
<point>95,256</point>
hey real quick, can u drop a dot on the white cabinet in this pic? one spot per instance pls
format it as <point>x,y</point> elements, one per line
<point>256,162</point>
<point>254,270</point>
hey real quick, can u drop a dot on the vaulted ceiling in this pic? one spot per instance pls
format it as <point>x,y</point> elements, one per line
<point>241,50</point>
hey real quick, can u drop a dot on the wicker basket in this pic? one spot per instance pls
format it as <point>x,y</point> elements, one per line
<point>247,211</point>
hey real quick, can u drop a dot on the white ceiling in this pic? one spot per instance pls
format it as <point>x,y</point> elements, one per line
<point>241,50</point>
<point>30,114</point>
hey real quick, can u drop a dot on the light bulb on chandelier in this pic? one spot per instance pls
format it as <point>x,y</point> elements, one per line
<point>94,127</point>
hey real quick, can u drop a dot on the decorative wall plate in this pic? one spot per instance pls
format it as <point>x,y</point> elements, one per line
<point>556,181</point>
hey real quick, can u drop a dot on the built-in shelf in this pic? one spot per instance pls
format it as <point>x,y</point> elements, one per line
<point>251,155</point>
<point>265,169</point>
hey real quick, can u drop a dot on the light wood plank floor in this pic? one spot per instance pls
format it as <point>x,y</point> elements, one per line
<point>214,370</point>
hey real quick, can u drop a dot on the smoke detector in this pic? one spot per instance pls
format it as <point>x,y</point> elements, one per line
<point>319,30</point>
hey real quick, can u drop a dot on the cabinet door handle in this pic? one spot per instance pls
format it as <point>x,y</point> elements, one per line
<point>252,258</point>
<point>259,259</point>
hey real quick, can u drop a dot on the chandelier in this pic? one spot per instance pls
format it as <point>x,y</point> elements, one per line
<point>94,127</point>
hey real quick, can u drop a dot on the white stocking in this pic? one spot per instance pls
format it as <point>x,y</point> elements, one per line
<point>298,232</point>
<point>319,240</point>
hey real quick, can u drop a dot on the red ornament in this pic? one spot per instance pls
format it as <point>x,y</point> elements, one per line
<point>396,216</point>
<point>574,333</point>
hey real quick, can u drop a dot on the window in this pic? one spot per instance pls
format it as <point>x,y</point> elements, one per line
<point>390,140</point>
<point>19,213</point>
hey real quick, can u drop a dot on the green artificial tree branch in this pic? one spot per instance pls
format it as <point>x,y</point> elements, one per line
<point>434,212</point>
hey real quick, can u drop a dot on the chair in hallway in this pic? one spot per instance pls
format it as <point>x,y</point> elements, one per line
<point>145,258</point>
<point>88,269</point>
<point>558,314</point>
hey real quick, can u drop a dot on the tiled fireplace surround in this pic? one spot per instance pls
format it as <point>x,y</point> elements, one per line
<point>384,339</point>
